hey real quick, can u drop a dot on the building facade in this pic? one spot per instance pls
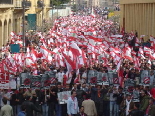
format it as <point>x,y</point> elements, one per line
<point>138,15</point>
<point>10,19</point>
<point>11,15</point>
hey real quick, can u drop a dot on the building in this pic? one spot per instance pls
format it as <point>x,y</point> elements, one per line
<point>93,3</point>
<point>37,13</point>
<point>10,19</point>
<point>11,15</point>
<point>138,15</point>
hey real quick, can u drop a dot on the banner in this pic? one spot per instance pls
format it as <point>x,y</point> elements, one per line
<point>4,80</point>
<point>4,84</point>
<point>25,80</point>
<point>45,82</point>
<point>12,84</point>
<point>144,76</point>
<point>36,81</point>
<point>63,96</point>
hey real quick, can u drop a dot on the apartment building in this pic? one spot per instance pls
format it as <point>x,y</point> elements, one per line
<point>11,15</point>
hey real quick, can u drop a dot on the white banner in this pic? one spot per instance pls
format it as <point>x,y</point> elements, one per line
<point>4,84</point>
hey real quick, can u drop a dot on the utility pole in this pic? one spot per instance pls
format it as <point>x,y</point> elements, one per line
<point>23,30</point>
<point>42,16</point>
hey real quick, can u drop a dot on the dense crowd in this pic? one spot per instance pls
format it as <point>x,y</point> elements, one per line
<point>78,51</point>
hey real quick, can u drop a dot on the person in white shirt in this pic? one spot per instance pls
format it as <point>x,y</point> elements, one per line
<point>60,76</point>
<point>151,77</point>
<point>72,104</point>
<point>6,95</point>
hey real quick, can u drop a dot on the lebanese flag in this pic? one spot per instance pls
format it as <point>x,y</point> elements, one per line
<point>120,73</point>
<point>46,53</point>
<point>147,51</point>
<point>153,44</point>
<point>69,61</point>
<point>136,62</point>
<point>35,72</point>
<point>137,42</point>
<point>151,38</point>
<point>96,39</point>
<point>75,49</point>
<point>152,56</point>
<point>127,53</point>
<point>29,62</point>
<point>141,53</point>
<point>77,79</point>
<point>115,50</point>
<point>34,55</point>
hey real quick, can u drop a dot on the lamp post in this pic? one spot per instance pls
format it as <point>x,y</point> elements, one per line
<point>23,29</point>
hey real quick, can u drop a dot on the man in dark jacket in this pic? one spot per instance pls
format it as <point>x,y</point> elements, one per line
<point>80,95</point>
<point>30,107</point>
<point>136,111</point>
<point>145,100</point>
<point>150,111</point>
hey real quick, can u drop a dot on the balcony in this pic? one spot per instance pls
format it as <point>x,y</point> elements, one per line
<point>6,4</point>
<point>18,4</point>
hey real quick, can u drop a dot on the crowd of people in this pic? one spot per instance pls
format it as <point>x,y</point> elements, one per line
<point>85,100</point>
<point>81,52</point>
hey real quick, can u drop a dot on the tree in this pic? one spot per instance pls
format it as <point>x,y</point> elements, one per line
<point>58,2</point>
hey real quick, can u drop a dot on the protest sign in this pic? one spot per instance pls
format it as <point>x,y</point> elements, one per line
<point>129,82</point>
<point>36,81</point>
<point>4,80</point>
<point>25,80</point>
<point>110,76</point>
<point>63,96</point>
<point>45,83</point>
<point>12,84</point>
<point>143,74</point>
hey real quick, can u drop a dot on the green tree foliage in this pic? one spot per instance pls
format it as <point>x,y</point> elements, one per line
<point>59,2</point>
